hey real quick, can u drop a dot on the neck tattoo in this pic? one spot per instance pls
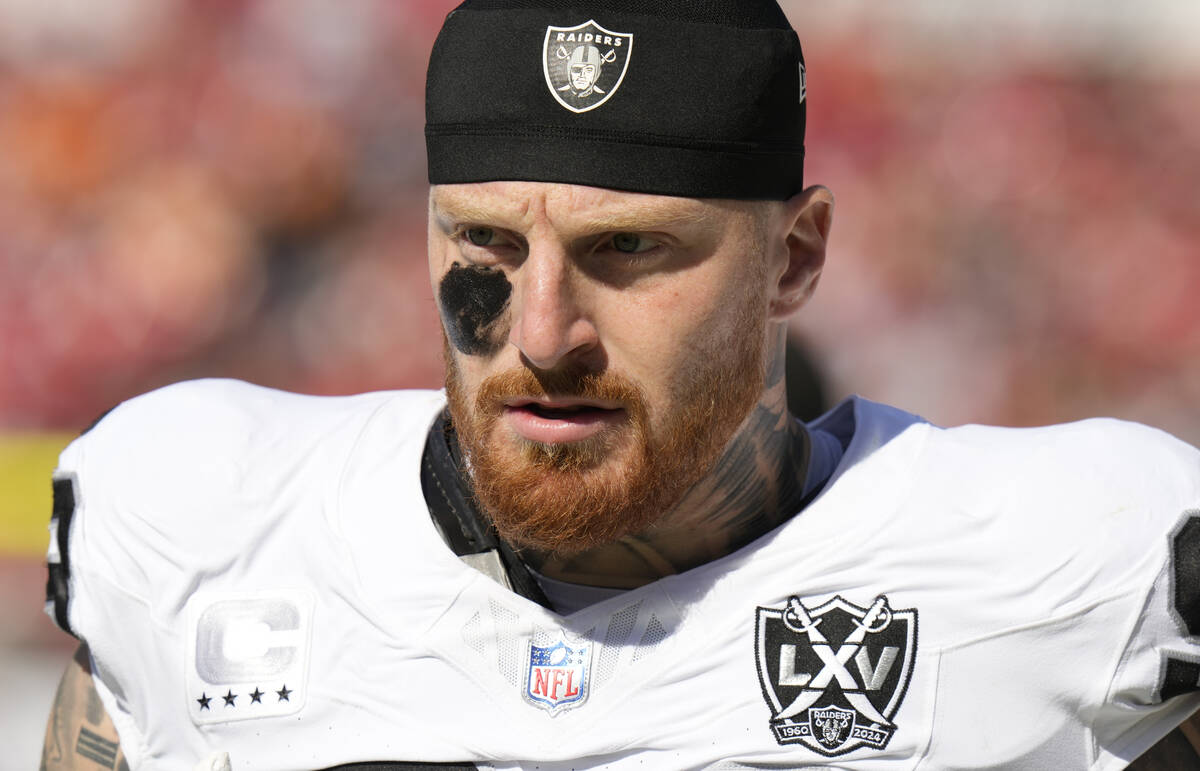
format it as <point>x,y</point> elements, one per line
<point>756,485</point>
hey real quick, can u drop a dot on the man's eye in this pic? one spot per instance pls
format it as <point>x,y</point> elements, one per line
<point>632,243</point>
<point>481,236</point>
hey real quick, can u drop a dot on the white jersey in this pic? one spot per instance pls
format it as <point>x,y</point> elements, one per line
<point>256,572</point>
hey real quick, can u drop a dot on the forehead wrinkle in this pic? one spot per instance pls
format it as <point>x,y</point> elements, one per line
<point>575,211</point>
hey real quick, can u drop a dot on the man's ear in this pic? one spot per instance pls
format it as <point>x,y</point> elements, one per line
<point>807,219</point>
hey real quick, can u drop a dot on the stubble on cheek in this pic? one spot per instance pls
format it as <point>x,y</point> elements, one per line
<point>473,301</point>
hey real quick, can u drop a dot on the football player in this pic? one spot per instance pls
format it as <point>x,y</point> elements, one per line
<point>606,544</point>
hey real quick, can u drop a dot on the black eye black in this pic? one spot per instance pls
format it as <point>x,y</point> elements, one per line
<point>480,236</point>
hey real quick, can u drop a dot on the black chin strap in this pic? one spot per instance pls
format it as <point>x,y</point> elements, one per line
<point>451,503</point>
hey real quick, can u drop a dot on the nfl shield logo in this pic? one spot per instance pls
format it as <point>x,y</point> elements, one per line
<point>557,675</point>
<point>585,64</point>
<point>835,674</point>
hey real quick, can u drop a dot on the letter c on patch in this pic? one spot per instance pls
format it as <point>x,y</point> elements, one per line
<point>240,640</point>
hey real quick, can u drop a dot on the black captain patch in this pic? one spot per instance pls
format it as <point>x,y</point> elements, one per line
<point>834,675</point>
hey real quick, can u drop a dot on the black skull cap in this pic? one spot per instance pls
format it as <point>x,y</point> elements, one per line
<point>694,98</point>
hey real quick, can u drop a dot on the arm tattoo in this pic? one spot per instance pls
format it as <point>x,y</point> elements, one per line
<point>53,756</point>
<point>95,747</point>
<point>79,733</point>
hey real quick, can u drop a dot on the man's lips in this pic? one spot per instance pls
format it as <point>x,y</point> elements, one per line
<point>560,419</point>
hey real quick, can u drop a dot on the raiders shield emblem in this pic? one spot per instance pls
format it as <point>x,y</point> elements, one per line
<point>585,64</point>
<point>835,674</point>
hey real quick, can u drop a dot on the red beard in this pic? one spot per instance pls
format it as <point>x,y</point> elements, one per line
<point>571,497</point>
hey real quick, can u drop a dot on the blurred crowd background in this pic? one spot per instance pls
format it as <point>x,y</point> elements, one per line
<point>237,188</point>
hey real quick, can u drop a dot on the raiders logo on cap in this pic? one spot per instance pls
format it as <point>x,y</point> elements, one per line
<point>585,64</point>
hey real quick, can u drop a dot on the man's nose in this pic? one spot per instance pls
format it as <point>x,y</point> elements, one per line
<point>550,325</point>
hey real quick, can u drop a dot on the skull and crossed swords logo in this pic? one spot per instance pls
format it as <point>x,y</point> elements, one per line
<point>834,674</point>
<point>584,65</point>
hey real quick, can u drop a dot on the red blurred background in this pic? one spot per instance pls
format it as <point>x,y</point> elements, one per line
<point>236,188</point>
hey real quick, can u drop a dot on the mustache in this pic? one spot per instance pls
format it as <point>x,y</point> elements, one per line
<point>524,382</point>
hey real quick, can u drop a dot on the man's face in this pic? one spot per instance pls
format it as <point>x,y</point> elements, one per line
<point>583,76</point>
<point>602,348</point>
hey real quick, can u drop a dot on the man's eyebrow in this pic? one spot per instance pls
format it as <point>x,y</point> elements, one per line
<point>636,219</point>
<point>458,211</point>
<point>645,219</point>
